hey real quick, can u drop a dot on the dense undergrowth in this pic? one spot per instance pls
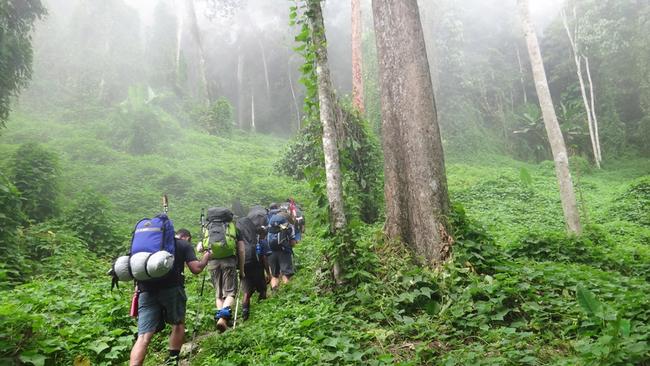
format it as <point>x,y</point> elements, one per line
<point>518,290</point>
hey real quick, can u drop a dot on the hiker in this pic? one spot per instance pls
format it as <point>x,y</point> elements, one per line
<point>281,240</point>
<point>256,267</point>
<point>225,241</point>
<point>297,218</point>
<point>163,301</point>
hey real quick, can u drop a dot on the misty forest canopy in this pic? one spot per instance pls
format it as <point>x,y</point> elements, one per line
<point>526,242</point>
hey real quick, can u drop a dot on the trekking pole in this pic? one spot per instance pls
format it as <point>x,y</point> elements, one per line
<point>165,203</point>
<point>234,325</point>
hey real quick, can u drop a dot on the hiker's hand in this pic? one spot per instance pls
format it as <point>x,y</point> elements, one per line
<point>207,253</point>
<point>242,275</point>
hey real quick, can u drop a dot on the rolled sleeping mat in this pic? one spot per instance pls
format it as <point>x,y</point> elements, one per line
<point>145,265</point>
<point>139,266</point>
<point>121,268</point>
<point>159,264</point>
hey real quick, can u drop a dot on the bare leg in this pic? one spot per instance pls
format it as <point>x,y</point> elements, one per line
<point>177,336</point>
<point>285,279</point>
<point>275,282</point>
<point>139,350</point>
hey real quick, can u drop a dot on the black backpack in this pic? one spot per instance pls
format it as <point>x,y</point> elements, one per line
<point>248,232</point>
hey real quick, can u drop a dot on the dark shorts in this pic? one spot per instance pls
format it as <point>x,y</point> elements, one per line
<point>254,280</point>
<point>224,277</point>
<point>160,307</point>
<point>281,262</point>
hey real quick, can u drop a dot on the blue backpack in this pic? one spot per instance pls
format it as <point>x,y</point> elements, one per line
<point>153,248</point>
<point>153,235</point>
<point>280,233</point>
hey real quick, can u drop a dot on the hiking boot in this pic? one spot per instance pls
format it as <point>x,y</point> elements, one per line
<point>244,313</point>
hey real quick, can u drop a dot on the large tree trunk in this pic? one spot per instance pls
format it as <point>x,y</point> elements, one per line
<point>415,185</point>
<point>567,195</point>
<point>357,57</point>
<point>328,115</point>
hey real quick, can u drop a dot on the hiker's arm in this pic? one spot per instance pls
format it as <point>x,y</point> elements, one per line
<point>241,257</point>
<point>197,266</point>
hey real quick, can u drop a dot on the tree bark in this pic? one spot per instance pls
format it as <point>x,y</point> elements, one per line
<point>357,57</point>
<point>567,195</point>
<point>328,115</point>
<point>415,187</point>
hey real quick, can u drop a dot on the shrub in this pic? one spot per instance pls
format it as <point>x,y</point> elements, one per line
<point>91,218</point>
<point>634,204</point>
<point>36,173</point>
<point>218,118</point>
<point>11,216</point>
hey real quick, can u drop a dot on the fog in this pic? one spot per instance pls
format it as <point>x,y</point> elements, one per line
<point>93,51</point>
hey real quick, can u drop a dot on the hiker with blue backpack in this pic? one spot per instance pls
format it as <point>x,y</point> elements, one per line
<point>164,300</point>
<point>224,240</point>
<point>281,240</point>
<point>256,267</point>
<point>156,261</point>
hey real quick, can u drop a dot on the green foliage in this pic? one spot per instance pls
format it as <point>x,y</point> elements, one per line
<point>16,23</point>
<point>36,176</point>
<point>608,338</point>
<point>11,217</point>
<point>634,204</point>
<point>91,218</point>
<point>136,127</point>
<point>217,119</point>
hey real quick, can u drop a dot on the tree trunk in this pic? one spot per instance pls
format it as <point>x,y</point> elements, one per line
<point>202,92</point>
<point>576,58</point>
<point>357,57</point>
<point>567,195</point>
<point>293,93</point>
<point>593,110</point>
<point>415,187</point>
<point>522,79</point>
<point>252,110</point>
<point>240,89</point>
<point>328,115</point>
<point>266,69</point>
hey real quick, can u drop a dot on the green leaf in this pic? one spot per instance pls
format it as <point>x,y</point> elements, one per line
<point>33,358</point>
<point>98,347</point>
<point>588,302</point>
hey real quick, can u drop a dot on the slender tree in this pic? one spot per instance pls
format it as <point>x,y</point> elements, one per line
<point>415,187</point>
<point>328,118</point>
<point>357,57</point>
<point>577,58</point>
<point>567,195</point>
